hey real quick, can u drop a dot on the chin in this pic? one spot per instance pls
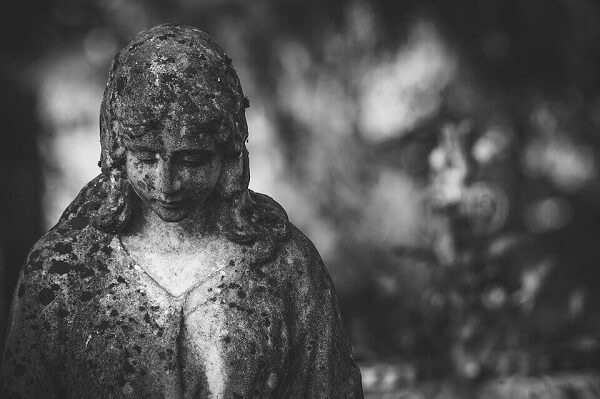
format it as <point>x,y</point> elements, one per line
<point>171,215</point>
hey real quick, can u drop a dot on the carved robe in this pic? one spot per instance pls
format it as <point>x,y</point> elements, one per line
<point>88,322</point>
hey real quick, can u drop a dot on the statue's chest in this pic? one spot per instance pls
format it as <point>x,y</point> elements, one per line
<point>237,329</point>
<point>180,274</point>
<point>227,335</point>
<point>180,270</point>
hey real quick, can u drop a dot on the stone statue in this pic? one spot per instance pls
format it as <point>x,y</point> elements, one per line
<point>166,277</point>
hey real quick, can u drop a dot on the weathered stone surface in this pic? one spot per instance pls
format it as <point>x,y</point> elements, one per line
<point>259,320</point>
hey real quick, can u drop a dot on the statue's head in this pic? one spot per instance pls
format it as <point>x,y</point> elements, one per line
<point>173,130</point>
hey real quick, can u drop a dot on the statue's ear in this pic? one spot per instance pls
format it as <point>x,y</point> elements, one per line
<point>235,175</point>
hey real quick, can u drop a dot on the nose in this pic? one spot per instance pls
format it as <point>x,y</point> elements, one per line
<point>168,182</point>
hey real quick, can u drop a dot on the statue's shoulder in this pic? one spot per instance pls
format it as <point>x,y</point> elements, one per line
<point>267,202</point>
<point>295,256</point>
<point>299,246</point>
<point>294,243</point>
<point>69,243</point>
<point>303,262</point>
<point>77,215</point>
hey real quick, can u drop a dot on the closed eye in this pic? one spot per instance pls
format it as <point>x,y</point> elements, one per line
<point>196,158</point>
<point>146,156</point>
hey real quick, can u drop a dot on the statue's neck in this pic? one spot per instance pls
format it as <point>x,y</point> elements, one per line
<point>148,227</point>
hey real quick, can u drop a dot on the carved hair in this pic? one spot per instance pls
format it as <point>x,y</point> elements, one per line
<point>172,72</point>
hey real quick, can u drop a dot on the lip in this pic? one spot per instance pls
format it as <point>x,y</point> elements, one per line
<point>170,204</point>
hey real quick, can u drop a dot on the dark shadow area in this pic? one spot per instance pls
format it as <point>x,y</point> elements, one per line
<point>20,203</point>
<point>443,156</point>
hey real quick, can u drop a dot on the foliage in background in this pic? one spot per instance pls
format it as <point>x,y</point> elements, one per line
<point>442,155</point>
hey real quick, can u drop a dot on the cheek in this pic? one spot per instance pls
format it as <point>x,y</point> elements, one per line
<point>202,180</point>
<point>147,182</point>
<point>133,165</point>
<point>213,173</point>
<point>141,176</point>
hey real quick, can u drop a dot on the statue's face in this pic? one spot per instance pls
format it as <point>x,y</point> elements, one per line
<point>173,99</point>
<point>172,169</point>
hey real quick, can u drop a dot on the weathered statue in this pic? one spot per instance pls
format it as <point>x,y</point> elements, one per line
<point>166,277</point>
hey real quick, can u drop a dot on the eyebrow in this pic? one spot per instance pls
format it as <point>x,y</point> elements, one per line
<point>137,147</point>
<point>193,151</point>
<point>205,125</point>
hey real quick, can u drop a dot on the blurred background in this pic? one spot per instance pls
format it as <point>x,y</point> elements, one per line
<point>443,156</point>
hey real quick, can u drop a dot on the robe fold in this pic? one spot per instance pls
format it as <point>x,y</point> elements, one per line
<point>88,322</point>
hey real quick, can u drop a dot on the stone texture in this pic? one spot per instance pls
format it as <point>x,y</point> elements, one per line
<point>89,322</point>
